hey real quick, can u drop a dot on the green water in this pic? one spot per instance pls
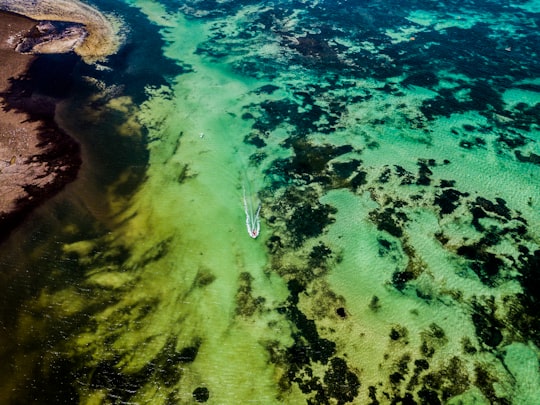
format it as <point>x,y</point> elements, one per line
<point>360,287</point>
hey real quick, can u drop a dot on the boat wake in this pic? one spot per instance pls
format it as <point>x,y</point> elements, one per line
<point>253,223</point>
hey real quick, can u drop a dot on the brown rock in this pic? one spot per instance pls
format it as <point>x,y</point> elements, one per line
<point>36,157</point>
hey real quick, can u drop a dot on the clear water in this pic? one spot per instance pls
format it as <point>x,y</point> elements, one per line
<point>395,149</point>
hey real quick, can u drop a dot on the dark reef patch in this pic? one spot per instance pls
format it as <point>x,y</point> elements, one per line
<point>512,139</point>
<point>308,345</point>
<point>246,304</point>
<point>424,171</point>
<point>256,140</point>
<point>310,163</point>
<point>312,159</point>
<point>425,79</point>
<point>428,397</point>
<point>341,312</point>
<point>401,278</point>
<point>481,253</point>
<point>448,200</point>
<point>486,382</point>
<point>484,263</point>
<point>405,176</point>
<point>266,89</point>
<point>201,394</point>
<point>386,246</point>
<point>314,46</point>
<point>420,366</point>
<point>319,255</point>
<point>473,142</point>
<point>385,175</point>
<point>499,208</point>
<point>308,221</point>
<point>468,346</point>
<point>344,170</point>
<point>389,220</point>
<point>358,180</point>
<point>433,338</point>
<point>203,278</point>
<point>530,158</point>
<point>276,112</point>
<point>487,325</point>
<point>524,117</point>
<point>375,303</point>
<point>450,380</point>
<point>399,332</point>
<point>372,392</point>
<point>523,308</point>
<point>339,384</point>
<point>302,215</point>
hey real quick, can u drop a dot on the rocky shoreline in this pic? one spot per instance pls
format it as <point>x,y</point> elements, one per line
<point>101,33</point>
<point>37,158</point>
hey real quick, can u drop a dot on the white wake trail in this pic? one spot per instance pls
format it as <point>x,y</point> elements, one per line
<point>253,223</point>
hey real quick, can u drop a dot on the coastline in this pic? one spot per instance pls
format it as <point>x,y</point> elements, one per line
<point>37,158</point>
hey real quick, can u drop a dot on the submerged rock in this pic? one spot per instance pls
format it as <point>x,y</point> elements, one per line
<point>52,37</point>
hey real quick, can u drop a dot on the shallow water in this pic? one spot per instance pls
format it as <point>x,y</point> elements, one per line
<point>394,148</point>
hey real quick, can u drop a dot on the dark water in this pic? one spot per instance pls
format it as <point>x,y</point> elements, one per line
<point>394,148</point>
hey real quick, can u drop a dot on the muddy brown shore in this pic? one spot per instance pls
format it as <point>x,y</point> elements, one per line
<point>37,158</point>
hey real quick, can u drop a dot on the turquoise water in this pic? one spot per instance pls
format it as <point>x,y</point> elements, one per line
<point>394,147</point>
